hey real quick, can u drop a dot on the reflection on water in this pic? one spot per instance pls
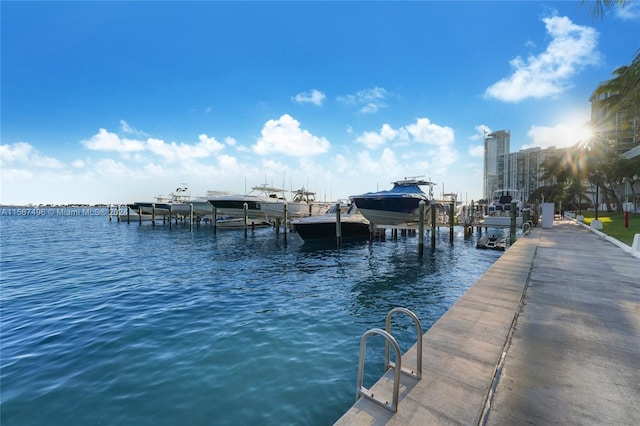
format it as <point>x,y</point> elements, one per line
<point>127,324</point>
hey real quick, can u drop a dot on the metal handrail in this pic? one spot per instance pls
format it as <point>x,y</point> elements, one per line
<point>387,360</point>
<point>361,390</point>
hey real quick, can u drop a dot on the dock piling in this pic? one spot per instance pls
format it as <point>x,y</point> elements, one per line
<point>512,225</point>
<point>433,223</point>
<point>452,213</point>
<point>214,218</point>
<point>285,210</point>
<point>245,208</point>
<point>421,228</point>
<point>338,226</point>
<point>190,216</point>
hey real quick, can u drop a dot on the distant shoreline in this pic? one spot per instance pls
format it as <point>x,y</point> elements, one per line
<point>56,206</point>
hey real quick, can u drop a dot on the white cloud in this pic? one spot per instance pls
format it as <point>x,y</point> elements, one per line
<point>560,136</point>
<point>549,74</point>
<point>368,100</point>
<point>110,142</point>
<point>481,130</point>
<point>368,166</point>
<point>182,152</point>
<point>113,172</point>
<point>284,136</point>
<point>16,153</point>
<point>227,162</point>
<point>110,167</point>
<point>630,11</point>
<point>106,141</point>
<point>22,154</point>
<point>127,129</point>
<point>424,131</point>
<point>436,157</point>
<point>313,96</point>
<point>476,150</point>
<point>373,140</point>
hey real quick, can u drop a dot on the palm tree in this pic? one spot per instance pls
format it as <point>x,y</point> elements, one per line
<point>621,94</point>
<point>600,5</point>
<point>625,87</point>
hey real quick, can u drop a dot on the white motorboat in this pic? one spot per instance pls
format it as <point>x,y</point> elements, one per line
<point>265,202</point>
<point>492,242</point>
<point>303,204</point>
<point>398,206</point>
<point>499,212</point>
<point>230,222</point>
<point>323,227</point>
<point>261,203</point>
<point>176,203</point>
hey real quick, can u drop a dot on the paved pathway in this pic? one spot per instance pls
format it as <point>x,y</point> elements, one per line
<point>574,357</point>
<point>550,334</point>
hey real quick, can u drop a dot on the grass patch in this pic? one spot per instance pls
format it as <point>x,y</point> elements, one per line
<point>613,224</point>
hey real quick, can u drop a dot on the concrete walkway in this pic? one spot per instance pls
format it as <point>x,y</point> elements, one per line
<point>549,334</point>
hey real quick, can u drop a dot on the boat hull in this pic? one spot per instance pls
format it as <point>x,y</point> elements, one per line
<point>391,210</point>
<point>396,207</point>
<point>162,209</point>
<point>501,221</point>
<point>323,228</point>
<point>294,209</point>
<point>227,206</point>
<point>492,243</point>
<point>238,223</point>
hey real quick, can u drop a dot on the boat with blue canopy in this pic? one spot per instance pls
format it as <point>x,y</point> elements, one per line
<point>397,206</point>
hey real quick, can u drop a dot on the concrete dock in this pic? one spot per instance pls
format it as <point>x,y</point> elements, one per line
<point>550,334</point>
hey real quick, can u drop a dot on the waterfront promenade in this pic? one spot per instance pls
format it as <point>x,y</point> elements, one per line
<point>550,334</point>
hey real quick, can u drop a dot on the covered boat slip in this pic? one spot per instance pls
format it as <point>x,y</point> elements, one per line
<point>405,206</point>
<point>550,334</point>
<point>353,224</point>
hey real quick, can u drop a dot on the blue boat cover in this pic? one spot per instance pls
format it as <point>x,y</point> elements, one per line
<point>399,188</point>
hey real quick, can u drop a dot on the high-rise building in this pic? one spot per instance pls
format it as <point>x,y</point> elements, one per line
<point>619,128</point>
<point>520,170</point>
<point>496,162</point>
<point>525,169</point>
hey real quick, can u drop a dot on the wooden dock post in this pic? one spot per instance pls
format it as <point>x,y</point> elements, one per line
<point>214,218</point>
<point>128,215</point>
<point>512,225</point>
<point>190,216</point>
<point>421,228</point>
<point>285,214</point>
<point>153,214</point>
<point>245,208</point>
<point>170,213</point>
<point>452,212</point>
<point>433,223</point>
<point>338,226</point>
<point>139,215</point>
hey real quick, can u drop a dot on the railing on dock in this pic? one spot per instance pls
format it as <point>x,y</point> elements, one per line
<point>361,390</point>
<point>417,374</point>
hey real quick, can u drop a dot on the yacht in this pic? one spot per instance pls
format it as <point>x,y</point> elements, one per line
<point>397,206</point>
<point>353,224</point>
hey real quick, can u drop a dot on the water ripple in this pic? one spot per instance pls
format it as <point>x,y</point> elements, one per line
<point>126,324</point>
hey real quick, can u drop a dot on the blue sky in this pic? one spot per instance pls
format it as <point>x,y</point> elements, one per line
<point>107,102</point>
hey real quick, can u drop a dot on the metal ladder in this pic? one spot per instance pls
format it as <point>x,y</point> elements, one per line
<point>362,391</point>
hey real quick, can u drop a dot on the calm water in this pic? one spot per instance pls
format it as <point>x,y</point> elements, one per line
<point>115,324</point>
